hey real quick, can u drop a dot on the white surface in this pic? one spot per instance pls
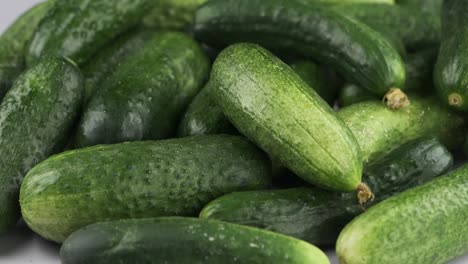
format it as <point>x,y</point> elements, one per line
<point>22,246</point>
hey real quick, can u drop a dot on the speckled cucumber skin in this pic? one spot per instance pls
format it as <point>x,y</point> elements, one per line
<point>426,224</point>
<point>172,14</point>
<point>318,216</point>
<point>357,52</point>
<point>144,98</point>
<point>275,108</point>
<point>137,180</point>
<point>13,43</point>
<point>35,118</point>
<point>184,241</point>
<point>79,28</point>
<point>379,130</point>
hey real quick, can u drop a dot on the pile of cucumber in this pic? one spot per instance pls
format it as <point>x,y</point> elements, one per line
<point>238,131</point>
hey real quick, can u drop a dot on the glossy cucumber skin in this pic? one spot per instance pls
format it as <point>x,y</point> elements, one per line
<point>144,97</point>
<point>309,30</point>
<point>275,108</point>
<point>79,28</point>
<point>172,14</point>
<point>379,130</point>
<point>451,71</point>
<point>184,240</point>
<point>140,179</point>
<point>318,216</point>
<point>13,43</point>
<point>393,231</point>
<point>36,116</point>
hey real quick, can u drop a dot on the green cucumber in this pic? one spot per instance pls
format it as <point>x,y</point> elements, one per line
<point>451,71</point>
<point>36,116</point>
<point>13,44</point>
<point>172,14</point>
<point>432,7</point>
<point>379,130</point>
<point>183,241</point>
<point>139,179</point>
<point>318,216</point>
<point>351,94</point>
<point>269,103</point>
<point>310,30</point>
<point>79,28</point>
<point>426,224</point>
<point>144,97</point>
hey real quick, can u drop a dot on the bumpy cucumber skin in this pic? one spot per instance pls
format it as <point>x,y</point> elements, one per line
<point>451,71</point>
<point>357,52</point>
<point>79,28</point>
<point>35,118</point>
<point>143,98</point>
<point>426,224</point>
<point>379,130</point>
<point>172,14</point>
<point>318,216</point>
<point>275,108</point>
<point>184,240</point>
<point>13,44</point>
<point>138,179</point>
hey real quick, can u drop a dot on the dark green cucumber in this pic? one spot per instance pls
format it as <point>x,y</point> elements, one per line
<point>269,103</point>
<point>426,224</point>
<point>183,241</point>
<point>138,179</point>
<point>111,57</point>
<point>351,94</point>
<point>13,44</point>
<point>172,14</point>
<point>357,52</point>
<point>318,216</point>
<point>144,97</point>
<point>379,130</point>
<point>35,118</point>
<point>79,28</point>
<point>432,7</point>
<point>451,71</point>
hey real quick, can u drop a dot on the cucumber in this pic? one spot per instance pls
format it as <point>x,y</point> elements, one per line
<point>184,240</point>
<point>379,130</point>
<point>352,94</point>
<point>275,108</point>
<point>317,216</point>
<point>13,44</point>
<point>35,118</point>
<point>432,7</point>
<point>79,28</point>
<point>310,30</point>
<point>139,179</point>
<point>106,61</point>
<point>426,224</point>
<point>172,14</point>
<point>415,28</point>
<point>451,71</point>
<point>144,97</point>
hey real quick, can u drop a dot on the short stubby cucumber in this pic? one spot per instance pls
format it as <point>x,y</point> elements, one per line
<point>183,241</point>
<point>426,224</point>
<point>357,52</point>
<point>451,71</point>
<point>13,44</point>
<point>379,130</point>
<point>137,180</point>
<point>79,28</point>
<point>270,104</point>
<point>318,216</point>
<point>144,97</point>
<point>36,117</point>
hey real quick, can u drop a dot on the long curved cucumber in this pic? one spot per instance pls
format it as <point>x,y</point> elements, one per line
<point>318,216</point>
<point>357,52</point>
<point>183,241</point>
<point>144,97</point>
<point>378,130</point>
<point>139,179</point>
<point>426,224</point>
<point>79,28</point>
<point>36,116</point>
<point>275,108</point>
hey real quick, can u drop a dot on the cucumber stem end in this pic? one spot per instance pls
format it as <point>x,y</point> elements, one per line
<point>364,194</point>
<point>396,99</point>
<point>455,100</point>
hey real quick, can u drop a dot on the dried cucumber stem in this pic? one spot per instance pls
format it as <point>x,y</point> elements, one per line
<point>455,99</point>
<point>396,99</point>
<point>364,194</point>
